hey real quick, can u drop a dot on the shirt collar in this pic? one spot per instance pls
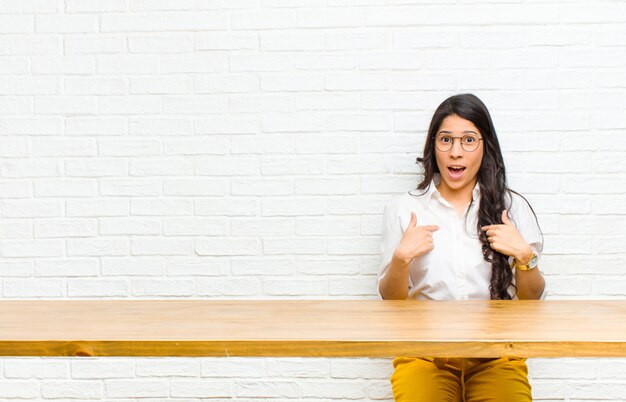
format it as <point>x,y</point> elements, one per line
<point>433,193</point>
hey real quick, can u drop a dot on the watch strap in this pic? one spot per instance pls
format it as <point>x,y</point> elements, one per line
<point>531,264</point>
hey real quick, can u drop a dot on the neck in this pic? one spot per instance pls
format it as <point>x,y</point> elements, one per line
<point>460,197</point>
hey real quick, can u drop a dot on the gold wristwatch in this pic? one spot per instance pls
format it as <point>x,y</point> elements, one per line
<point>531,264</point>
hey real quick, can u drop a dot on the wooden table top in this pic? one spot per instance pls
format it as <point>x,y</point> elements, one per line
<point>330,328</point>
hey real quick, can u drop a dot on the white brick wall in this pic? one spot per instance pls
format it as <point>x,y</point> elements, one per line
<point>217,149</point>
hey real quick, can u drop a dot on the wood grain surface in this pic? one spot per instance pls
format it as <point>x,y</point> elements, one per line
<point>331,328</point>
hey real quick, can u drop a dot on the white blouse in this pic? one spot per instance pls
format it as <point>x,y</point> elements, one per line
<point>455,269</point>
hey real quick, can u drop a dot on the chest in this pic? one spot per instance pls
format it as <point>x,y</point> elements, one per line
<point>457,256</point>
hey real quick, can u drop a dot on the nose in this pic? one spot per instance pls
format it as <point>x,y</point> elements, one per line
<point>456,150</point>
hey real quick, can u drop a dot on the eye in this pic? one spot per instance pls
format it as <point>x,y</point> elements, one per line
<point>445,139</point>
<point>469,139</point>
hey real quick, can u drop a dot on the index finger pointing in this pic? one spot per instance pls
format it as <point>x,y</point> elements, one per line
<point>430,228</point>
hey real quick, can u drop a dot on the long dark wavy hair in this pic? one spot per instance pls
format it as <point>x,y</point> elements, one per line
<point>495,195</point>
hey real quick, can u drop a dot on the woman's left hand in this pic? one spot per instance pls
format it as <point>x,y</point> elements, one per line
<point>506,239</point>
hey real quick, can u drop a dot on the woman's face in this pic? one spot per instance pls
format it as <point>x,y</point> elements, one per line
<point>458,167</point>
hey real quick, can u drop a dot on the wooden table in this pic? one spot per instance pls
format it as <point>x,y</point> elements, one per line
<point>330,328</point>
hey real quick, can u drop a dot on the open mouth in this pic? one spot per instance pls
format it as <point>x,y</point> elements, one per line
<point>456,172</point>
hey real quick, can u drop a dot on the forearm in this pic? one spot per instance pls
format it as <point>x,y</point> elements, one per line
<point>394,285</point>
<point>530,284</point>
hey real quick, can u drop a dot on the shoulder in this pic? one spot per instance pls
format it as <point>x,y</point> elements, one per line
<point>398,210</point>
<point>519,207</point>
<point>517,202</point>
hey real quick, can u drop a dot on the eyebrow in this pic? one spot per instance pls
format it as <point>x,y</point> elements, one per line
<point>464,132</point>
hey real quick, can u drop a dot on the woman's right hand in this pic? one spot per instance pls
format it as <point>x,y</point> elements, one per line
<point>416,241</point>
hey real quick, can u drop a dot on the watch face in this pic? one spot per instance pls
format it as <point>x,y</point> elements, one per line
<point>533,262</point>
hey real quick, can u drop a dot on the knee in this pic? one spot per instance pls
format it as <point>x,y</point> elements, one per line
<point>507,381</point>
<point>418,380</point>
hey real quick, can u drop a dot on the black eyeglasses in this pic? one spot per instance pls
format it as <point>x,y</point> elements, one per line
<point>469,142</point>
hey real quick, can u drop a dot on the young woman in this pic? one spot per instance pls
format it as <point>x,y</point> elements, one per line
<point>462,235</point>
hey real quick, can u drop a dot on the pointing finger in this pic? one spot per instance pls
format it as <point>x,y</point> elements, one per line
<point>413,221</point>
<point>505,218</point>
<point>430,228</point>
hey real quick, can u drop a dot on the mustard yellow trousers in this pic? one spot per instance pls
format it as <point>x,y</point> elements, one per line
<point>417,379</point>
